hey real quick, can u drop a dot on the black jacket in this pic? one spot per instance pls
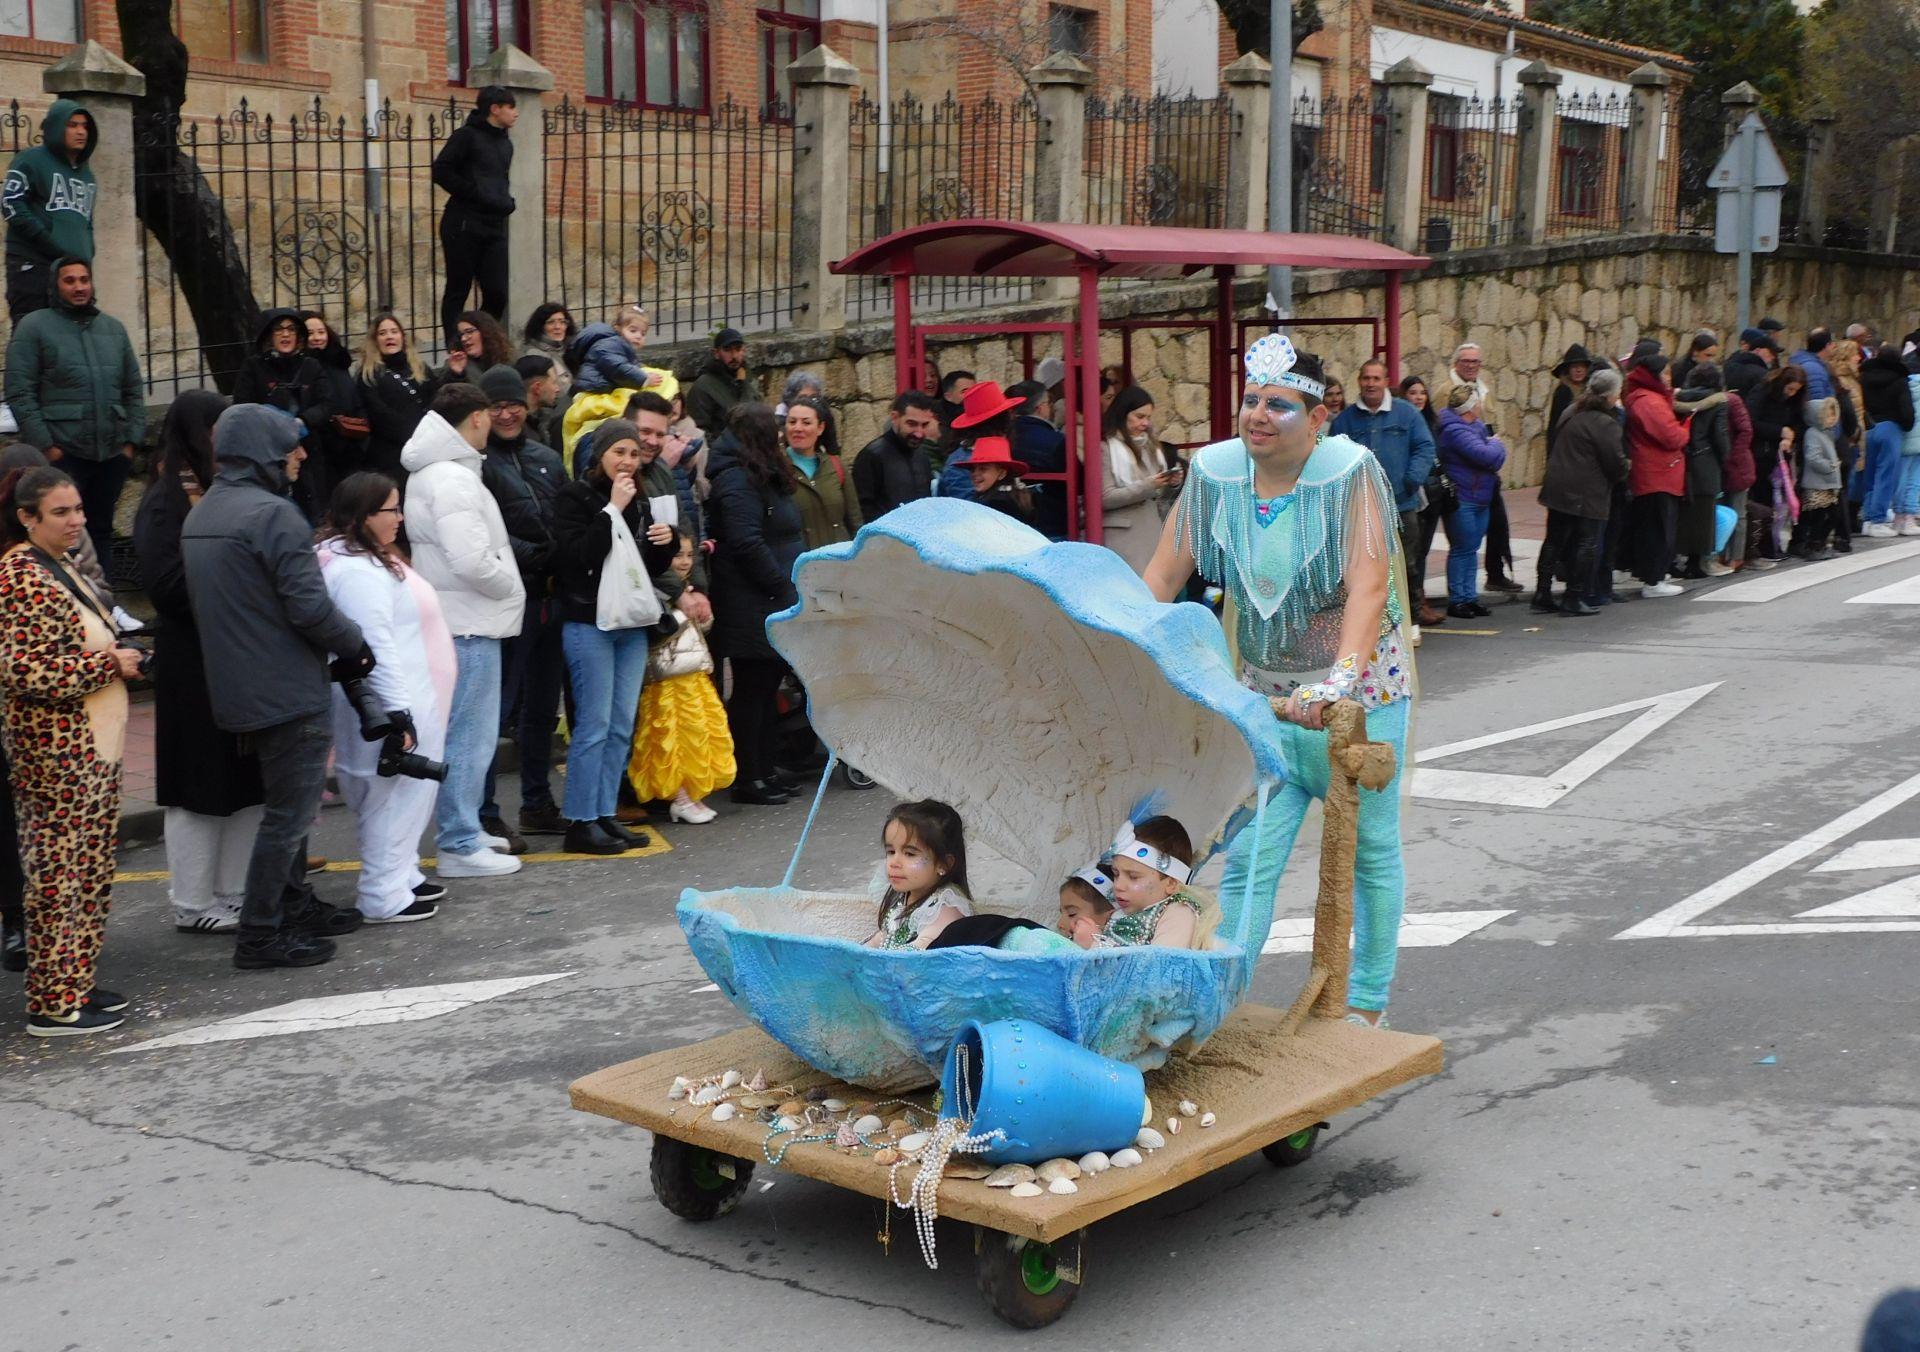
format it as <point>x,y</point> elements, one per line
<point>583,535</point>
<point>1043,448</point>
<point>472,169</point>
<point>1883,385</point>
<point>887,472</point>
<point>394,402</point>
<point>1745,371</point>
<point>1588,458</point>
<point>714,393</point>
<point>266,622</point>
<point>525,478</point>
<point>295,383</point>
<point>1709,438</point>
<point>1771,415</point>
<point>757,539</point>
<point>340,453</point>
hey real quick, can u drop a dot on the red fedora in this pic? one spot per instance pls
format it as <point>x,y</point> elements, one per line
<point>987,451</point>
<point>983,401</point>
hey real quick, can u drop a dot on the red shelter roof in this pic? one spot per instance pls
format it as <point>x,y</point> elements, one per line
<point>982,248</point>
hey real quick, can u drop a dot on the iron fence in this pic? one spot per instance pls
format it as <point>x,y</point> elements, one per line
<point>687,213</point>
<point>914,163</point>
<point>1592,140</point>
<point>1471,173</point>
<point>19,130</point>
<point>1158,161</point>
<point>1340,164</point>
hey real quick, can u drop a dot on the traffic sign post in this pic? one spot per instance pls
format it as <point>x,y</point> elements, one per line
<point>1748,180</point>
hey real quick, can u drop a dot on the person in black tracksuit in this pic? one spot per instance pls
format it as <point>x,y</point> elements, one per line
<point>284,374</point>
<point>472,169</point>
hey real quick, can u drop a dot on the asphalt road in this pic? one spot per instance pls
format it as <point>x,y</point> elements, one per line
<point>1672,1140</point>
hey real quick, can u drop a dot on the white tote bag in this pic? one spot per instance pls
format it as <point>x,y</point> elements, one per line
<point>626,598</point>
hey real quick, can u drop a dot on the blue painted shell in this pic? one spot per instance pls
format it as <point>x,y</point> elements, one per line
<point>953,653</point>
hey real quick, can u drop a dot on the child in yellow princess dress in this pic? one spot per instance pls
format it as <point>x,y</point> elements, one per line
<point>681,747</point>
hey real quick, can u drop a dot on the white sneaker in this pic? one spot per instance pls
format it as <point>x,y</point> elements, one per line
<point>1662,589</point>
<point>222,917</point>
<point>1715,568</point>
<point>126,624</point>
<point>479,864</point>
<point>1908,527</point>
<point>497,843</point>
<point>1416,634</point>
<point>1879,530</point>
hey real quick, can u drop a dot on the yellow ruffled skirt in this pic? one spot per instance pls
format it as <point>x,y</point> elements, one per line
<point>680,739</point>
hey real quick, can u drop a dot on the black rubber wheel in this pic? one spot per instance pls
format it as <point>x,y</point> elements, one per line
<point>856,778</point>
<point>1295,1149</point>
<point>1027,1283</point>
<point>694,1183</point>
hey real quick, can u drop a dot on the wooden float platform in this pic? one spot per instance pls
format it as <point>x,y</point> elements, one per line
<point>1261,1082</point>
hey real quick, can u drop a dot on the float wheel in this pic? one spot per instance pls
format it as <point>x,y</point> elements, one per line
<point>1295,1149</point>
<point>1027,1283</point>
<point>694,1183</point>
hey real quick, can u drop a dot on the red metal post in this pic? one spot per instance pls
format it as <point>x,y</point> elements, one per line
<point>1093,476</point>
<point>906,372</point>
<point>1221,417</point>
<point>1393,327</point>
<point>1076,472</point>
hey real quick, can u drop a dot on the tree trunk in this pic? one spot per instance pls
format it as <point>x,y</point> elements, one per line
<point>1252,32</point>
<point>174,201</point>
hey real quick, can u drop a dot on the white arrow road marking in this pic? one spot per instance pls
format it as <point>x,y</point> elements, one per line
<point>1874,854</point>
<point>1897,898</point>
<point>1772,586</point>
<point>1541,791</point>
<point>1429,929</point>
<point>1677,920</point>
<point>363,1010</point>
<point>1902,593</point>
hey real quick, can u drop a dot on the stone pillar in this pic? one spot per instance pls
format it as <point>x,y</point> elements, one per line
<point>1248,83</point>
<point>1539,128</point>
<point>1061,83</point>
<point>1889,172</point>
<point>108,86</point>
<point>1816,188</point>
<point>1406,81</point>
<point>513,70</point>
<point>1735,104</point>
<point>1646,137</point>
<point>821,178</point>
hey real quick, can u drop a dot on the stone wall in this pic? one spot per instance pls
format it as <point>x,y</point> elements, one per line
<point>1523,305</point>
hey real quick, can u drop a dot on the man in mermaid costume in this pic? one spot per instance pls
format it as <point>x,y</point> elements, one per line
<point>1302,532</point>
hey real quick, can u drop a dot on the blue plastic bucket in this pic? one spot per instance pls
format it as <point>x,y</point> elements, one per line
<point>1049,1096</point>
<point>1724,520</point>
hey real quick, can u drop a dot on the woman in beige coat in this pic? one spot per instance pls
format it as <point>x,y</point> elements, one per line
<point>1136,485</point>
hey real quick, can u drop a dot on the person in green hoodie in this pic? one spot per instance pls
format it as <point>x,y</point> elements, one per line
<point>47,204</point>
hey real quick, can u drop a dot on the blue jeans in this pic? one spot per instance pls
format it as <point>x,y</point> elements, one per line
<point>473,734</point>
<point>1906,495</point>
<point>1882,473</point>
<point>606,669</point>
<point>1466,528</point>
<point>1379,873</point>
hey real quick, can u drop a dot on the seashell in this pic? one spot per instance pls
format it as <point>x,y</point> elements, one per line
<point>753,1103</point>
<point>1146,1112</point>
<point>1062,1186</point>
<point>678,1091</point>
<point>846,1136</point>
<point>785,1123</point>
<point>1188,1107</point>
<point>723,1112</point>
<point>834,1105</point>
<point>868,1125</point>
<point>1095,1162</point>
<point>887,1156</point>
<point>966,1168</point>
<point>1061,1168</point>
<point>900,1126</point>
<point>1126,1159</point>
<point>1027,1190</point>
<point>911,1143</point>
<point>793,1107</point>
<point>730,1079</point>
<point>1149,1139</point>
<point>1173,1126</point>
<point>709,1093</point>
<point>1009,1174</point>
<point>758,1084</point>
<point>1207,1119</point>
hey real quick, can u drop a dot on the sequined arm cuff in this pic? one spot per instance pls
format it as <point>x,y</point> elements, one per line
<point>1339,683</point>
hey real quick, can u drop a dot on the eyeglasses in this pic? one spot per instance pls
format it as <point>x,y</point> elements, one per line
<point>1274,403</point>
<point>501,410</point>
<point>386,511</point>
<point>467,333</point>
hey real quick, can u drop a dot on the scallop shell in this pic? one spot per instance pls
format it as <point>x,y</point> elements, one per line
<point>966,1168</point>
<point>1149,1139</point>
<point>1188,1107</point>
<point>1061,1168</point>
<point>1063,1186</point>
<point>900,1126</point>
<point>1009,1174</point>
<point>1207,1119</point>
<point>793,1107</point>
<point>1146,1112</point>
<point>1095,1162</point>
<point>1126,1159</point>
<point>834,1105</point>
<point>707,1093</point>
<point>730,1079</point>
<point>1027,1190</point>
<point>678,1091</point>
<point>758,1084</point>
<point>868,1125</point>
<point>1173,1126</point>
<point>724,1112</point>
<point>753,1103</point>
<point>887,1156</point>
<point>786,1123</point>
<point>913,1142</point>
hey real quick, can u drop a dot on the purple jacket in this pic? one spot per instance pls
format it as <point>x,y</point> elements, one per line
<point>1471,456</point>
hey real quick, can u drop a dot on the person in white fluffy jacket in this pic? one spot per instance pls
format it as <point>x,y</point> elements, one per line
<point>460,546</point>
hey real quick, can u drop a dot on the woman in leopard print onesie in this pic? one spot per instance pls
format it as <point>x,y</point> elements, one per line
<point>64,723</point>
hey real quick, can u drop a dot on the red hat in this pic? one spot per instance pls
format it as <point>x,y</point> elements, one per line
<point>990,451</point>
<point>984,401</point>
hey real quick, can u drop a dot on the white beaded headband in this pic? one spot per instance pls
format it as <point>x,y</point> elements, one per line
<point>1271,360</point>
<point>1129,846</point>
<point>1097,880</point>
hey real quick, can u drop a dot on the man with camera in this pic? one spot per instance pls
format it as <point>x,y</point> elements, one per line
<point>266,629</point>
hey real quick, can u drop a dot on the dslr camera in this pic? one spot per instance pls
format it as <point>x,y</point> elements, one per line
<point>391,728</point>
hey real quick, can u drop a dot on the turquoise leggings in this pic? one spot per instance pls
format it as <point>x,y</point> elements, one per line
<point>1380,875</point>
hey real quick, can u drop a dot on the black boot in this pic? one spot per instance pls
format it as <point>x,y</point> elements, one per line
<point>13,947</point>
<point>591,838</point>
<point>760,793</point>
<point>633,840</point>
<point>1573,605</point>
<point>288,948</point>
<point>1543,602</point>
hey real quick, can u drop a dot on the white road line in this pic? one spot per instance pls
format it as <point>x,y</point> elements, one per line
<point>1906,592</point>
<point>1430,929</point>
<point>1543,791</point>
<point>1900,898</point>
<point>1874,854</point>
<point>1784,582</point>
<point>1677,920</point>
<point>363,1010</point>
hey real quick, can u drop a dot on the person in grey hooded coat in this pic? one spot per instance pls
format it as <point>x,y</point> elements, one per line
<point>267,627</point>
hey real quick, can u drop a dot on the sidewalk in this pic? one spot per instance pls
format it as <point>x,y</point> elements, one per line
<point>1526,522</point>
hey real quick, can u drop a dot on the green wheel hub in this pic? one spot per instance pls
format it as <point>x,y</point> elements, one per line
<point>1300,1140</point>
<point>706,1173</point>
<point>1038,1270</point>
